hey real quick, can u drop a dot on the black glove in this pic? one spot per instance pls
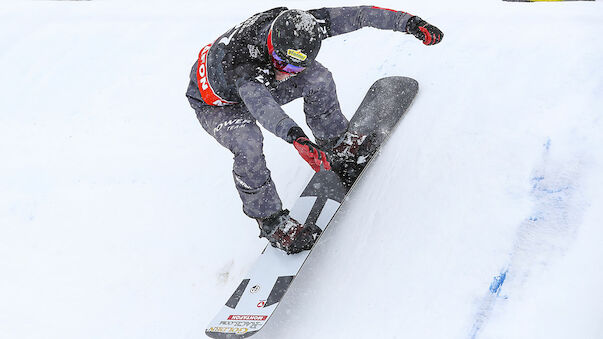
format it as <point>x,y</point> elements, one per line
<point>422,30</point>
<point>308,150</point>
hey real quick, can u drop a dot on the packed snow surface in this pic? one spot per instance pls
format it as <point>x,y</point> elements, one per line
<point>481,217</point>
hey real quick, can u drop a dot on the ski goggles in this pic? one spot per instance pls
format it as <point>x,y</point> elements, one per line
<point>284,66</point>
<point>278,62</point>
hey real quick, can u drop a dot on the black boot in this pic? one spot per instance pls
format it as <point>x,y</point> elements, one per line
<point>286,233</point>
<point>350,156</point>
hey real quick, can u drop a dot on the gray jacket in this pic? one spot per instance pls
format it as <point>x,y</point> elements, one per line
<point>239,69</point>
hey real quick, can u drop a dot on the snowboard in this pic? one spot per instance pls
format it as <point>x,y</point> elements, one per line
<point>259,294</point>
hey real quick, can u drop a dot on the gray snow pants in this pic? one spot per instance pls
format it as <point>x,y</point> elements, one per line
<point>236,129</point>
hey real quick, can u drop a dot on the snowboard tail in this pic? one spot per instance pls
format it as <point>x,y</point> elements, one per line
<point>259,294</point>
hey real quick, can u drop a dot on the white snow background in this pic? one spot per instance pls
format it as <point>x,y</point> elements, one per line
<point>119,218</point>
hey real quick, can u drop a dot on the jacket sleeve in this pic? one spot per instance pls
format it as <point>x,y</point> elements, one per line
<point>340,20</point>
<point>262,106</point>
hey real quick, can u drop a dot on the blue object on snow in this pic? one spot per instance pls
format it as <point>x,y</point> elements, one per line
<point>497,282</point>
<point>547,144</point>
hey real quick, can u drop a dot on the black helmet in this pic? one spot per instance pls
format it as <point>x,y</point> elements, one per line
<point>295,37</point>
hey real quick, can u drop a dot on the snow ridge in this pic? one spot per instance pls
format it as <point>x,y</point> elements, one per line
<point>541,237</point>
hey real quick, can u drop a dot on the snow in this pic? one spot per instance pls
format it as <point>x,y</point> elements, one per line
<point>119,219</point>
<point>306,22</point>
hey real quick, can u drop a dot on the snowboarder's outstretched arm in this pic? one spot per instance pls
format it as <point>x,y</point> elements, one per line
<point>267,111</point>
<point>264,108</point>
<point>341,20</point>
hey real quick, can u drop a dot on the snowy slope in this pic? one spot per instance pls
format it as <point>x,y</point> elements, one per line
<point>118,217</point>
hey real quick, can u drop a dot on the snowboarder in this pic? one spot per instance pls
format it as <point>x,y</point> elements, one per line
<point>267,61</point>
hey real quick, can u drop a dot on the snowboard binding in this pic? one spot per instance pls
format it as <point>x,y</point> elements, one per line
<point>351,155</point>
<point>287,234</point>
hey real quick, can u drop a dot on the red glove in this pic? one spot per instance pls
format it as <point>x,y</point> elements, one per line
<point>422,30</point>
<point>308,150</point>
